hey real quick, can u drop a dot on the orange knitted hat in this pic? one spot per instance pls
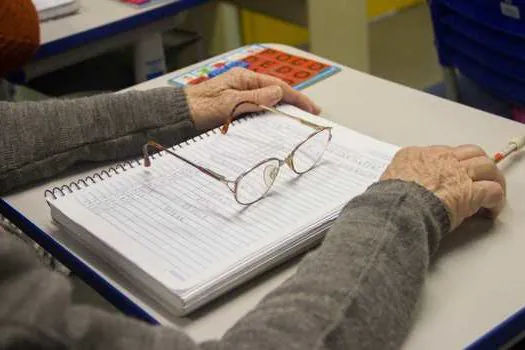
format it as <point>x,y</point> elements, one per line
<point>19,33</point>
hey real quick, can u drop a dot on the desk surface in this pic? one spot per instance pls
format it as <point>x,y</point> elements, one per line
<point>474,284</point>
<point>102,18</point>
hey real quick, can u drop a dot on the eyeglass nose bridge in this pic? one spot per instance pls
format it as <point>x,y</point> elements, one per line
<point>271,173</point>
<point>289,161</point>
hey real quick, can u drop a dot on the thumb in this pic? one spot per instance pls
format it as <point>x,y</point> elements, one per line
<point>488,196</point>
<point>267,96</point>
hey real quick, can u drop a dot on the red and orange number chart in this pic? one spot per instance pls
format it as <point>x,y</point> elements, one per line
<point>297,71</point>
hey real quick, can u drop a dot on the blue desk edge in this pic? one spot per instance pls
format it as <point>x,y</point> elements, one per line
<point>502,334</point>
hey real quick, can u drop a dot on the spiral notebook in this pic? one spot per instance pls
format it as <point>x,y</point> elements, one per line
<point>181,237</point>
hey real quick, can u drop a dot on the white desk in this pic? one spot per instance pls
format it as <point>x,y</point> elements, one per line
<point>103,25</point>
<point>476,282</point>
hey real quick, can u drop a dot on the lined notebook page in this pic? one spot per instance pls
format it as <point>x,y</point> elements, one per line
<point>181,226</point>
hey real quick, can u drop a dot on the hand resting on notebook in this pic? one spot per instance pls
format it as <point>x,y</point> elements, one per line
<point>212,102</point>
<point>464,178</point>
<point>116,126</point>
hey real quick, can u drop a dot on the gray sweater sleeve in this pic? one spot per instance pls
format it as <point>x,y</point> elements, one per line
<point>42,139</point>
<point>358,290</point>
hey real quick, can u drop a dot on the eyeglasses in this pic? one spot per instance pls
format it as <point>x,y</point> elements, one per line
<point>253,184</point>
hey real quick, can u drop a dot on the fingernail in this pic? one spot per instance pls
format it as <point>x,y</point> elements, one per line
<point>276,93</point>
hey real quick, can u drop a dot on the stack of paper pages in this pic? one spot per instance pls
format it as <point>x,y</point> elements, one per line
<point>180,235</point>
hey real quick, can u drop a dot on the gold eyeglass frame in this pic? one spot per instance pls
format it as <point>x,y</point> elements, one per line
<point>233,184</point>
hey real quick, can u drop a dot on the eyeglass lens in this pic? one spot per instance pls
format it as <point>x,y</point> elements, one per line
<point>308,154</point>
<point>256,183</point>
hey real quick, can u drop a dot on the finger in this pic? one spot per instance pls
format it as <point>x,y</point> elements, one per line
<point>438,149</point>
<point>482,168</point>
<point>488,195</point>
<point>267,96</point>
<point>248,80</point>
<point>464,152</point>
<point>296,98</point>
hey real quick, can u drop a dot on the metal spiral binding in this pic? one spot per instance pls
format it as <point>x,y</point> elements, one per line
<point>79,184</point>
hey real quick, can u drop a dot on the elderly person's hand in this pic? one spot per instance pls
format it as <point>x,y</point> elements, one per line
<point>213,101</point>
<point>464,178</point>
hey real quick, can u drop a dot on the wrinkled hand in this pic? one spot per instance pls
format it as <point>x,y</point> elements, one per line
<point>464,178</point>
<point>212,102</point>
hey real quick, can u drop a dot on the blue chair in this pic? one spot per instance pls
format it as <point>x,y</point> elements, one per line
<point>485,41</point>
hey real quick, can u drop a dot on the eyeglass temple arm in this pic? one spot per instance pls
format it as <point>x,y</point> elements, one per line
<point>301,120</point>
<point>224,128</point>
<point>159,147</point>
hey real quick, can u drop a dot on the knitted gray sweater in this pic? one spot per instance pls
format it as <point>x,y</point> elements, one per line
<point>358,290</point>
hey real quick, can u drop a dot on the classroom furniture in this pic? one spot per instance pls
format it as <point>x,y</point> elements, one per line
<point>338,29</point>
<point>474,96</point>
<point>260,28</point>
<point>484,41</point>
<point>475,281</point>
<point>379,8</point>
<point>104,25</point>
